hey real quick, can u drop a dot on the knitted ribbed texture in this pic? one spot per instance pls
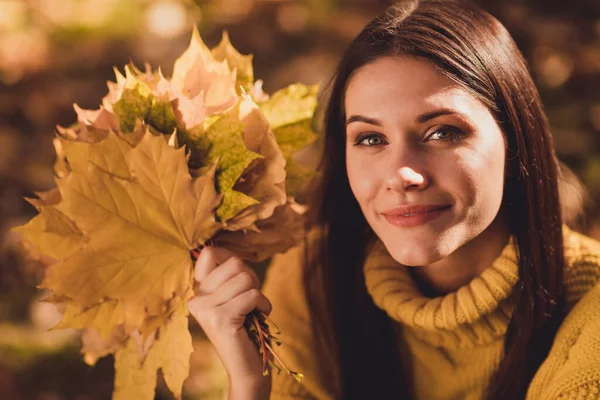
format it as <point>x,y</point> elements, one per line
<point>572,369</point>
<point>476,314</point>
<point>446,335</point>
<point>453,343</point>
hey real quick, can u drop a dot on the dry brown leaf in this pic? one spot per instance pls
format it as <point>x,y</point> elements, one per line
<point>276,234</point>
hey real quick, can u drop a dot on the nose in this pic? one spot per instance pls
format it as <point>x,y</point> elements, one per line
<point>407,178</point>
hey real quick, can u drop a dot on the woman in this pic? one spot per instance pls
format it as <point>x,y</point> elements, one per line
<point>438,266</point>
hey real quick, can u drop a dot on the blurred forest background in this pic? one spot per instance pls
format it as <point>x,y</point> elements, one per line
<point>54,53</point>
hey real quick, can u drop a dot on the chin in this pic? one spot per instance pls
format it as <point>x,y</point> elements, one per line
<point>414,255</point>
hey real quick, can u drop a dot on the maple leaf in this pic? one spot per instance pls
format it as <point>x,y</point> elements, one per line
<point>170,352</point>
<point>57,236</point>
<point>94,345</point>
<point>290,112</point>
<point>251,167</point>
<point>137,101</point>
<point>257,93</point>
<point>201,85</point>
<point>104,318</point>
<point>220,140</point>
<point>162,167</point>
<point>190,112</point>
<point>109,155</point>
<point>197,71</point>
<point>295,103</point>
<point>61,168</point>
<point>91,126</point>
<point>115,89</point>
<point>281,231</point>
<point>242,64</point>
<point>150,260</point>
<point>264,180</point>
<point>291,139</point>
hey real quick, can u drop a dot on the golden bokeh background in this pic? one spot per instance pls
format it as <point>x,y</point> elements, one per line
<point>54,53</point>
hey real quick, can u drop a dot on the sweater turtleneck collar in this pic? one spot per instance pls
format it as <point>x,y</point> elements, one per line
<point>475,314</point>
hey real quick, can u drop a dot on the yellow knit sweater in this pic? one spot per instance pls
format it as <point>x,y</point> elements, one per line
<point>455,341</point>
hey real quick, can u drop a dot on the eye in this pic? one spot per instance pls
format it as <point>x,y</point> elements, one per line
<point>446,133</point>
<point>369,140</point>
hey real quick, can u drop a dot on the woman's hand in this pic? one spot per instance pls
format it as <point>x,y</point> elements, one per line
<point>224,296</point>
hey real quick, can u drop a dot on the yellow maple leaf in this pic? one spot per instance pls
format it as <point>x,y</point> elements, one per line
<point>136,373</point>
<point>105,318</point>
<point>137,255</point>
<point>94,345</point>
<point>57,235</point>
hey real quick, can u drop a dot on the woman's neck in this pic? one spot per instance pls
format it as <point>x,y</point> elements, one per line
<point>467,262</point>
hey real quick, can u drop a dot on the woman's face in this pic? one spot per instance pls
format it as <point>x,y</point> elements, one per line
<point>425,159</point>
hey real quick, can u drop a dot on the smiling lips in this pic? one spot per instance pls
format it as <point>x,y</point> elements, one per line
<point>414,215</point>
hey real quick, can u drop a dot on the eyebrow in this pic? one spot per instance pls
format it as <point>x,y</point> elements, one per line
<point>420,119</point>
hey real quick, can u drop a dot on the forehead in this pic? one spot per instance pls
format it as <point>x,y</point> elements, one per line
<point>412,82</point>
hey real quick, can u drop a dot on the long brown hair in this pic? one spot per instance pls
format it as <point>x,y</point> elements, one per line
<point>473,49</point>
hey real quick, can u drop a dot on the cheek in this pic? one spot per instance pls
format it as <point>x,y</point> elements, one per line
<point>363,178</point>
<point>493,173</point>
<point>496,166</point>
<point>483,181</point>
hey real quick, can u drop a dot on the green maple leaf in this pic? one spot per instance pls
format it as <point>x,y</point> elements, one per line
<point>221,140</point>
<point>290,112</point>
<point>137,102</point>
<point>161,115</point>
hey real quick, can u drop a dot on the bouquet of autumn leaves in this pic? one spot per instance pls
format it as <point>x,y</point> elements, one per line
<point>163,168</point>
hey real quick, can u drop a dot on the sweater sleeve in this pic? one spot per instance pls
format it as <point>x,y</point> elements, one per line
<point>572,369</point>
<point>285,289</point>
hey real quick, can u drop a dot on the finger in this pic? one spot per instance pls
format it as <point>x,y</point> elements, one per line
<point>226,271</point>
<point>240,305</point>
<point>237,285</point>
<point>263,304</point>
<point>196,305</point>
<point>209,259</point>
<point>243,304</point>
